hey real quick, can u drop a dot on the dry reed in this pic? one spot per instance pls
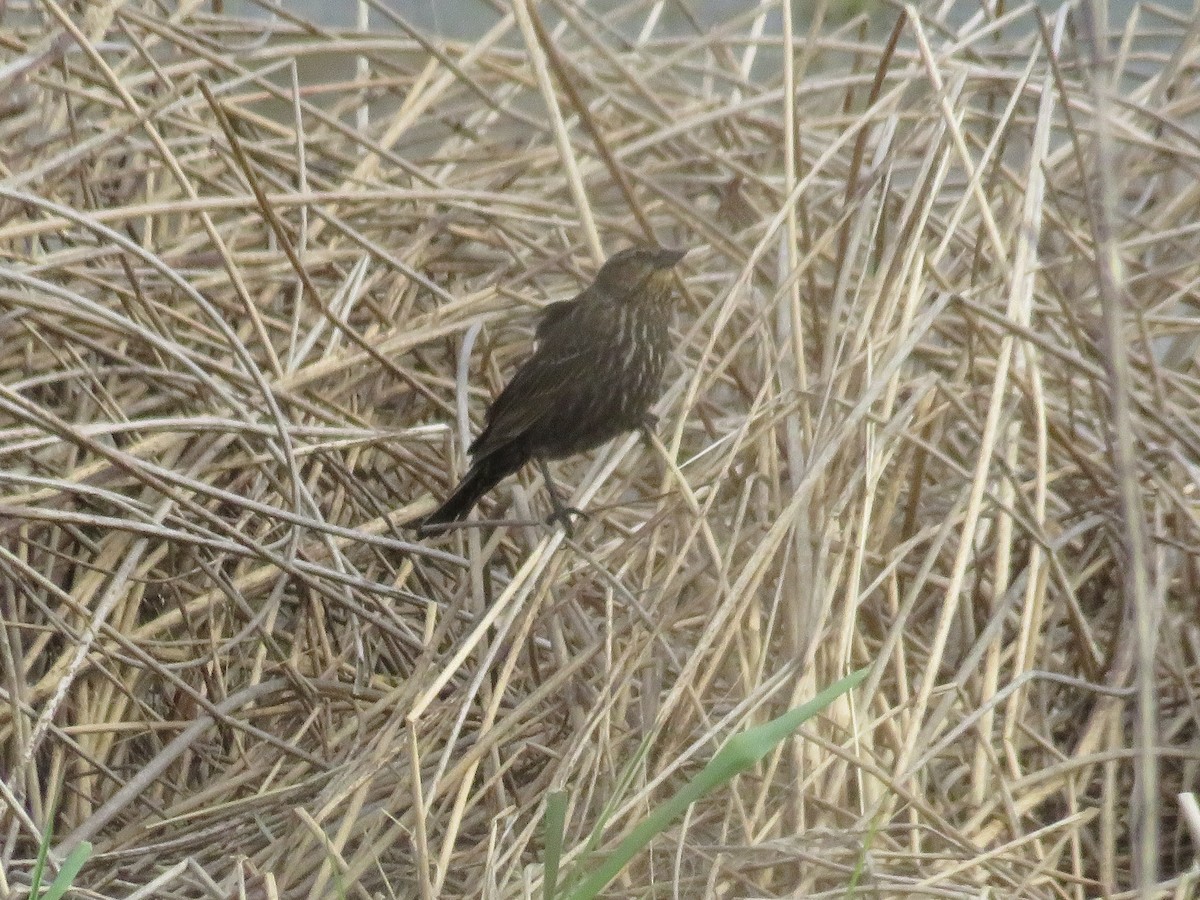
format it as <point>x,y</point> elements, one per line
<point>936,410</point>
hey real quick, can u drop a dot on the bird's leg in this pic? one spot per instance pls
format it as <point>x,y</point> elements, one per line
<point>647,428</point>
<point>562,513</point>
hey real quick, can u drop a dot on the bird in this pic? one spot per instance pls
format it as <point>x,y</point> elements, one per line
<point>596,369</point>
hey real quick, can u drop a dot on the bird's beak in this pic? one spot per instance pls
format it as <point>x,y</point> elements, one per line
<point>664,259</point>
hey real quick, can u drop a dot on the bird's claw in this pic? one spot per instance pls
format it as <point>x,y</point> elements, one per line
<point>647,428</point>
<point>562,516</point>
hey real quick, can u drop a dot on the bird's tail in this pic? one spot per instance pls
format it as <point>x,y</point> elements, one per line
<point>485,473</point>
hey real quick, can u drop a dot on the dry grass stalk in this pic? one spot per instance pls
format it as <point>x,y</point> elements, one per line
<point>234,327</point>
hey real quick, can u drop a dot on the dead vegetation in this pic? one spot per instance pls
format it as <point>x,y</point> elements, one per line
<point>935,411</point>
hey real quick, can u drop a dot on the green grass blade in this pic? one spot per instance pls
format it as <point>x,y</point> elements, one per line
<point>737,755</point>
<point>70,868</point>
<point>39,865</point>
<point>553,826</point>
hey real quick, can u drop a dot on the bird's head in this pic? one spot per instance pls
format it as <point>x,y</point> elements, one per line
<point>635,270</point>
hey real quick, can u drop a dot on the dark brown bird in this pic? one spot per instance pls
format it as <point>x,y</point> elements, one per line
<point>597,369</point>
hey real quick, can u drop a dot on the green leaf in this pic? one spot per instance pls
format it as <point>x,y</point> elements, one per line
<point>70,868</point>
<point>553,828</point>
<point>738,754</point>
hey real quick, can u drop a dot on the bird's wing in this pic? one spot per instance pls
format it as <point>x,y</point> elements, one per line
<point>553,314</point>
<point>542,382</point>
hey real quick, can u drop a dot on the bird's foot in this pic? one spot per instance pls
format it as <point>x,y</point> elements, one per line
<point>562,516</point>
<point>647,428</point>
<point>424,527</point>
